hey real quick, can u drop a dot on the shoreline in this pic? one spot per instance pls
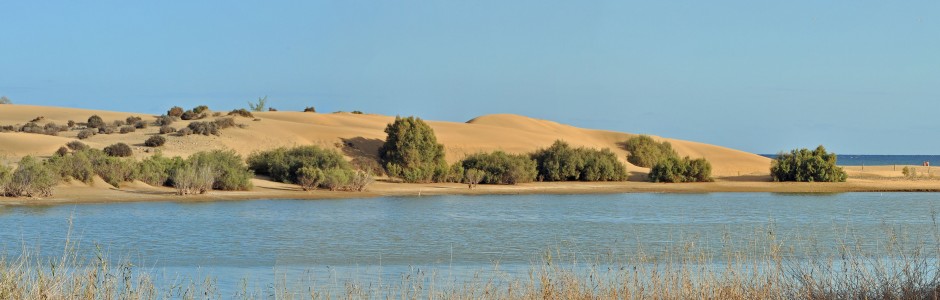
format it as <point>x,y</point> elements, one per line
<point>100,193</point>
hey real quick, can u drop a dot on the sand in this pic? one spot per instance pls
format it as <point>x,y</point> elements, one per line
<point>362,134</point>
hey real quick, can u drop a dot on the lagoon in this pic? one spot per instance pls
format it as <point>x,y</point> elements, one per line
<point>383,238</point>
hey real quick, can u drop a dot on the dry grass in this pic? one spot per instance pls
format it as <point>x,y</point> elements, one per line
<point>761,267</point>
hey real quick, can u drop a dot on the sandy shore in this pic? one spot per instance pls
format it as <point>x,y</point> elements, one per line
<point>78,193</point>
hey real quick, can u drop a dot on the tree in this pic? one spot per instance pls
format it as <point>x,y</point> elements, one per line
<point>561,162</point>
<point>807,166</point>
<point>472,177</point>
<point>258,106</point>
<point>646,152</point>
<point>5,100</point>
<point>411,151</point>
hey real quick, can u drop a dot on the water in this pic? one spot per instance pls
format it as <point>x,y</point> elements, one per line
<point>384,237</point>
<point>880,160</point>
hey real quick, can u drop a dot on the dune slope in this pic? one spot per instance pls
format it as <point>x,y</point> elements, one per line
<point>362,134</point>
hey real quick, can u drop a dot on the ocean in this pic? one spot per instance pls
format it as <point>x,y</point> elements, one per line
<point>881,160</point>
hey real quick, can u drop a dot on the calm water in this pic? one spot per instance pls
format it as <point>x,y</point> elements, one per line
<point>388,236</point>
<point>881,160</point>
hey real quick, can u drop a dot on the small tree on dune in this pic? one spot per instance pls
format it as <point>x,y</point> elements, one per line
<point>260,105</point>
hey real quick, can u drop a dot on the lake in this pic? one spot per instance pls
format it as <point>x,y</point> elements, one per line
<point>382,238</point>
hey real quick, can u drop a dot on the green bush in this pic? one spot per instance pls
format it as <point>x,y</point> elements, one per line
<point>259,106</point>
<point>5,174</point>
<point>31,179</point>
<point>502,168</point>
<point>309,177</point>
<point>229,171</point>
<point>337,179</point>
<point>561,162</point>
<point>807,166</point>
<point>282,164</point>
<point>95,122</point>
<point>191,179</point>
<point>310,109</point>
<point>674,169</point>
<point>119,150</point>
<point>155,141</point>
<point>646,152</point>
<point>472,177</point>
<point>411,151</point>
<point>157,170</point>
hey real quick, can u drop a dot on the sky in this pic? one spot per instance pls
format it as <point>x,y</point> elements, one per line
<point>860,77</point>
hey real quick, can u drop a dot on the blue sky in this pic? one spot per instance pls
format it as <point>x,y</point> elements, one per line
<point>860,77</point>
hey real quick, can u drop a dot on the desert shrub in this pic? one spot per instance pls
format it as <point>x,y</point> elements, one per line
<point>646,152</point>
<point>909,172</point>
<point>167,129</point>
<point>176,111</point>
<point>411,151</point>
<point>127,129</point>
<point>107,129</point>
<point>32,128</point>
<point>258,106</point>
<point>155,141</point>
<point>8,128</point>
<point>309,177</point>
<point>140,124</point>
<point>95,122</point>
<point>165,120</point>
<point>281,164</point>
<point>132,119</point>
<point>189,115</point>
<point>76,146</point>
<point>360,180</point>
<point>223,123</point>
<point>157,170</point>
<point>502,168</point>
<point>200,109</point>
<point>5,100</point>
<point>62,151</point>
<point>357,112</point>
<point>228,169</point>
<point>310,109</point>
<point>561,162</point>
<point>52,128</point>
<point>807,166</point>
<point>204,128</point>
<point>31,179</point>
<point>674,169</point>
<point>70,123</point>
<point>472,177</point>
<point>118,123</point>
<point>241,112</point>
<point>87,133</point>
<point>184,132</point>
<point>119,150</point>
<point>217,114</point>
<point>337,179</point>
<point>272,109</point>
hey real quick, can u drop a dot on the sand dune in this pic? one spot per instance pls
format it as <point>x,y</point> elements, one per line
<point>364,132</point>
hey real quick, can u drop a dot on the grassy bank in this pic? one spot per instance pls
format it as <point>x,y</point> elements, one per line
<point>897,266</point>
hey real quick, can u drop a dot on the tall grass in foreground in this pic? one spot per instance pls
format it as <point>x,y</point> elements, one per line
<point>763,267</point>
